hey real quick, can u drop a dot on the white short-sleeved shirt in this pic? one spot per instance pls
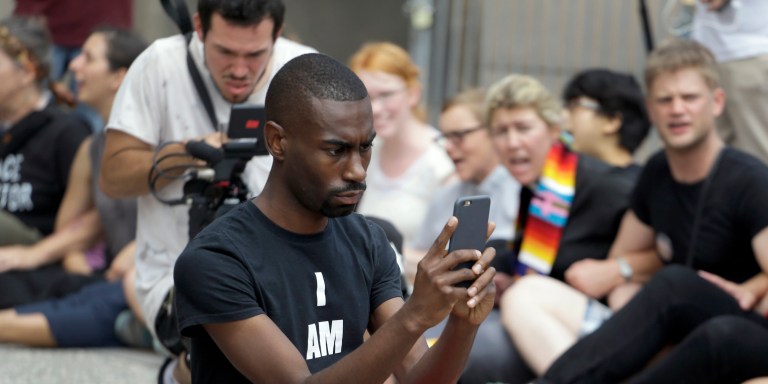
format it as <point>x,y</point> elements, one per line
<point>738,31</point>
<point>403,201</point>
<point>158,103</point>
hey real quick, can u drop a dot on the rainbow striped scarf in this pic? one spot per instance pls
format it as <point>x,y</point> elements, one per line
<point>547,212</point>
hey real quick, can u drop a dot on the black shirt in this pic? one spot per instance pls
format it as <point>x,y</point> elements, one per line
<point>320,289</point>
<point>735,209</point>
<point>602,194</point>
<point>35,157</point>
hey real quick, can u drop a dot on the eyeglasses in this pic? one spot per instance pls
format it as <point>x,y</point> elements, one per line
<point>457,137</point>
<point>386,96</point>
<point>585,103</point>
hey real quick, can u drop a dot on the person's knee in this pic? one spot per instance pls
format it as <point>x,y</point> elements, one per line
<point>673,277</point>
<point>523,299</point>
<point>725,330</point>
<point>522,293</point>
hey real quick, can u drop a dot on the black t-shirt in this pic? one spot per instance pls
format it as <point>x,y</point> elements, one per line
<point>734,211</point>
<point>35,157</point>
<point>320,290</point>
<point>602,194</point>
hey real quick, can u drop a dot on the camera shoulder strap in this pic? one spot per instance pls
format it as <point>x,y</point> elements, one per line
<point>178,12</point>
<point>197,79</point>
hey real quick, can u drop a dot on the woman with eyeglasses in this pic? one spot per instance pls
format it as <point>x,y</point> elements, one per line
<point>407,165</point>
<point>467,142</point>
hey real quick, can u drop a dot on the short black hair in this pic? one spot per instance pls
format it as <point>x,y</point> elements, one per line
<point>242,12</point>
<point>123,46</point>
<point>619,95</point>
<point>308,76</point>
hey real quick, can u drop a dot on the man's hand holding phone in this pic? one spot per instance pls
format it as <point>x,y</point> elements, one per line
<point>436,291</point>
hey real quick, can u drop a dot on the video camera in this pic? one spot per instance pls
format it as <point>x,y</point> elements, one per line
<point>213,191</point>
<point>214,188</point>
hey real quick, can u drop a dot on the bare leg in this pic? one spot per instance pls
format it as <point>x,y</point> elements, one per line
<point>30,329</point>
<point>543,317</point>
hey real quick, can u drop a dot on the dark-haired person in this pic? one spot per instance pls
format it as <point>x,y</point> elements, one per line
<point>607,116</point>
<point>608,121</point>
<point>85,318</point>
<point>283,288</point>
<point>38,144</point>
<point>237,49</point>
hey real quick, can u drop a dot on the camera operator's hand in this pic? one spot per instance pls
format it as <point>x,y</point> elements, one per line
<point>215,139</point>
<point>212,140</point>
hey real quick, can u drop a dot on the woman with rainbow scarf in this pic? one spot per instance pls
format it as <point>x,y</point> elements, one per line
<point>571,204</point>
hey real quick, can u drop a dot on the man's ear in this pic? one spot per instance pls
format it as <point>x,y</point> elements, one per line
<point>274,136</point>
<point>718,96</point>
<point>198,24</point>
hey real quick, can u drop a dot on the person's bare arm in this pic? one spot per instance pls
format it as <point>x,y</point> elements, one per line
<point>76,226</point>
<point>752,292</point>
<point>78,198</point>
<point>396,342</point>
<point>78,234</point>
<point>635,243</point>
<point>123,263</point>
<point>445,361</point>
<point>126,164</point>
<point>760,248</point>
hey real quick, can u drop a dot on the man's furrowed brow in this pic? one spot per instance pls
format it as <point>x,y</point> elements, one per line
<point>337,142</point>
<point>342,143</point>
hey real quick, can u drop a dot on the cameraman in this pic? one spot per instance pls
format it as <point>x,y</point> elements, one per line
<point>237,49</point>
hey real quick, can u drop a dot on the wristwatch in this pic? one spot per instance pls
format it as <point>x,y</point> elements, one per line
<point>625,269</point>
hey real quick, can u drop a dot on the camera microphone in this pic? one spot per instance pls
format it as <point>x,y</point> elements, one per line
<point>203,151</point>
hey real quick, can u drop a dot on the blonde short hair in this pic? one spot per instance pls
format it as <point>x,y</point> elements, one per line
<point>677,54</point>
<point>472,99</point>
<point>516,91</point>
